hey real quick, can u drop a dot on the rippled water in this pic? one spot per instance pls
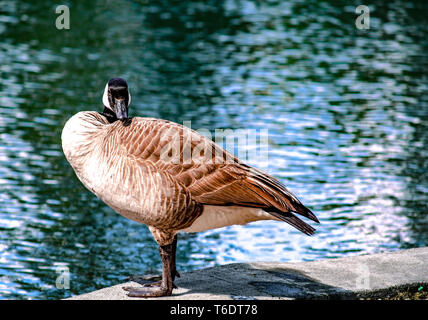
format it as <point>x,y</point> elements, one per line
<point>346,112</point>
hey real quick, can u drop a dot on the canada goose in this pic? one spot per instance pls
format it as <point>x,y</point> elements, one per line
<point>127,163</point>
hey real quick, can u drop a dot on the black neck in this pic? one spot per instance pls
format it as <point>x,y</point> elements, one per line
<point>110,115</point>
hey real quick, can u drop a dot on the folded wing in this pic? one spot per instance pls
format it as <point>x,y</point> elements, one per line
<point>212,175</point>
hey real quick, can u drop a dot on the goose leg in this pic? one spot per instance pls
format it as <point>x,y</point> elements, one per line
<point>174,272</point>
<point>173,266</point>
<point>144,279</point>
<point>167,254</point>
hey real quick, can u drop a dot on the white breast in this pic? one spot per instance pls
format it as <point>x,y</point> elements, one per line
<point>80,145</point>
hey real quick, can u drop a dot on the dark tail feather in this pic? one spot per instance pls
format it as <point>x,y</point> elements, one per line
<point>295,222</point>
<point>304,211</point>
<point>283,199</point>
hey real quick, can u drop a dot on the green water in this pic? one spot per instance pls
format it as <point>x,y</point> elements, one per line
<point>346,112</point>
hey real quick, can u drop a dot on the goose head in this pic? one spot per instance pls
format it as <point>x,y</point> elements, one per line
<point>116,99</point>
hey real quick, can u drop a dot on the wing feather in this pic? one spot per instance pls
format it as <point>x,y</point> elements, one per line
<point>209,178</point>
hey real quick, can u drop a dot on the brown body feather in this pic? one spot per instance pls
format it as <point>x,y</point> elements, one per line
<point>163,174</point>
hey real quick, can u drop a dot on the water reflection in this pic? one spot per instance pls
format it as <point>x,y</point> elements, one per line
<point>346,112</point>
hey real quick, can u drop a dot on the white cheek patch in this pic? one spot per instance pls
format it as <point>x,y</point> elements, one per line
<point>129,98</point>
<point>105,97</point>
